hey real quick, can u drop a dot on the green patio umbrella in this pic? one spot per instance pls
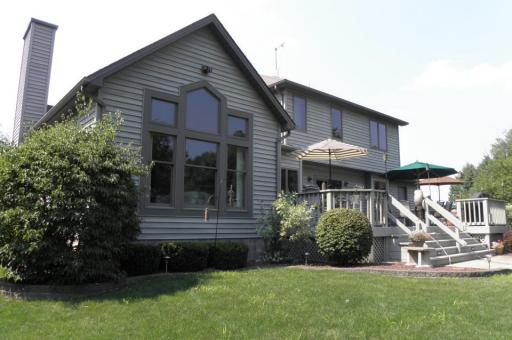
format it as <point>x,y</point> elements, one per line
<point>419,170</point>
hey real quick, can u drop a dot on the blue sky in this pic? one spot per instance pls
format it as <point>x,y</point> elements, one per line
<point>444,66</point>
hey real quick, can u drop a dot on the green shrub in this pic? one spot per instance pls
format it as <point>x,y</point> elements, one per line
<point>344,236</point>
<point>68,203</point>
<point>140,259</point>
<point>228,255</point>
<point>186,256</point>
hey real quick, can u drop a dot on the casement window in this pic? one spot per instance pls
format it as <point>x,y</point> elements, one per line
<point>336,123</point>
<point>289,180</point>
<point>201,153</point>
<point>236,185</point>
<point>378,136</point>
<point>299,112</point>
<point>162,154</point>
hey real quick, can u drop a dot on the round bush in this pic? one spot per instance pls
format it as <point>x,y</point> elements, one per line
<point>344,236</point>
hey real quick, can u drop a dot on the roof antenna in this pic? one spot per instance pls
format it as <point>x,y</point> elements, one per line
<point>275,54</point>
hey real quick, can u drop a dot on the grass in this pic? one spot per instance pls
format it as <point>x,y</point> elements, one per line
<point>277,303</point>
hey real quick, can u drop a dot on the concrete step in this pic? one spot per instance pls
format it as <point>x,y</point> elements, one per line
<point>443,260</point>
<point>455,250</point>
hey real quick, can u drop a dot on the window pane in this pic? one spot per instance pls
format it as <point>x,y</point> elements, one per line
<point>201,153</point>
<point>235,189</point>
<point>163,112</point>
<point>283,179</point>
<point>163,147</point>
<point>237,126</point>
<point>374,134</point>
<point>299,112</point>
<point>236,158</point>
<point>402,193</point>
<point>383,142</point>
<point>202,111</point>
<point>199,187</point>
<point>293,181</point>
<point>336,123</point>
<point>161,182</point>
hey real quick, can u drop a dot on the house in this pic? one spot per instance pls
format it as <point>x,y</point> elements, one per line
<point>222,138</point>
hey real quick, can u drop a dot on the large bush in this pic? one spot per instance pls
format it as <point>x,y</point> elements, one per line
<point>68,203</point>
<point>186,256</point>
<point>228,255</point>
<point>286,224</point>
<point>140,259</point>
<point>344,236</point>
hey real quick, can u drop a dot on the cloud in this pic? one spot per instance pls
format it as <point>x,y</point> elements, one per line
<point>450,75</point>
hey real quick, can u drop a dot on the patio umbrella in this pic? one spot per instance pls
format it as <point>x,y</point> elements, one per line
<point>445,180</point>
<point>331,149</point>
<point>419,170</point>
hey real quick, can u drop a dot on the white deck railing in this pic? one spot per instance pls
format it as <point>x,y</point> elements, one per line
<point>372,203</point>
<point>482,212</point>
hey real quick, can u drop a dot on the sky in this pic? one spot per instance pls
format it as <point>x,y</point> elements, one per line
<point>443,66</point>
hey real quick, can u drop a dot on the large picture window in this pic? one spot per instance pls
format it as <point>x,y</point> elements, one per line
<point>201,153</point>
<point>200,173</point>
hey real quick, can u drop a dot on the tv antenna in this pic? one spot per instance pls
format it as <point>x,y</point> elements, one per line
<point>275,54</point>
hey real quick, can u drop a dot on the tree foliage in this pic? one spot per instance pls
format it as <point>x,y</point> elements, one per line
<point>493,175</point>
<point>68,202</point>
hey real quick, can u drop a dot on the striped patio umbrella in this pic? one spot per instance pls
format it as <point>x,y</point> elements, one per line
<point>331,149</point>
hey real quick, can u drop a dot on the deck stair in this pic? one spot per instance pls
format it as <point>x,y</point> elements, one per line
<point>450,244</point>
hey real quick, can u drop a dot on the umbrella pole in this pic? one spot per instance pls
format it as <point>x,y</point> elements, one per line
<point>330,170</point>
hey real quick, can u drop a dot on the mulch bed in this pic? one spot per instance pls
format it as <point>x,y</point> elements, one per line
<point>401,269</point>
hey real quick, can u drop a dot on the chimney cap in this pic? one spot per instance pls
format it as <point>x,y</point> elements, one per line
<point>39,22</point>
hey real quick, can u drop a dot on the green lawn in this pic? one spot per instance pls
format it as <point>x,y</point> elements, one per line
<point>279,303</point>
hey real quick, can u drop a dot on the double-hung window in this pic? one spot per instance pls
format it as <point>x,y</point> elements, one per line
<point>289,180</point>
<point>299,112</point>
<point>378,136</point>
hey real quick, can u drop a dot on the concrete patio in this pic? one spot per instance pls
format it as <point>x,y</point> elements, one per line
<point>497,262</point>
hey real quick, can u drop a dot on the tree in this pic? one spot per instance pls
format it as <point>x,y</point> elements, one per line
<point>468,175</point>
<point>68,202</point>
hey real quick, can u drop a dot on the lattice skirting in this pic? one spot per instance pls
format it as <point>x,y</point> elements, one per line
<point>378,252</point>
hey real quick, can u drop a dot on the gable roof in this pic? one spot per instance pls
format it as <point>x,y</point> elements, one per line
<point>95,80</point>
<point>277,83</point>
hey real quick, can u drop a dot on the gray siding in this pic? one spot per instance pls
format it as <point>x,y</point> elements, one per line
<point>321,173</point>
<point>169,69</point>
<point>356,131</point>
<point>34,78</point>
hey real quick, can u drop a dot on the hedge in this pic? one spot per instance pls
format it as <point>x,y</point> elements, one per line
<point>228,255</point>
<point>141,259</point>
<point>186,256</point>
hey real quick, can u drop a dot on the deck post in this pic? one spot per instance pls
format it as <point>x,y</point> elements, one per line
<point>329,200</point>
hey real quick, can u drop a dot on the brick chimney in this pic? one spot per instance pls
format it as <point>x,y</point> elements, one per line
<point>35,72</point>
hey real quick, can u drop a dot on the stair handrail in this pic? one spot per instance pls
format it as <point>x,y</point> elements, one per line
<point>407,213</point>
<point>399,223</point>
<point>446,214</point>
<point>454,235</point>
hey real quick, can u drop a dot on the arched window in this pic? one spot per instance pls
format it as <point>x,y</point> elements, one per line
<point>201,152</point>
<point>202,111</point>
